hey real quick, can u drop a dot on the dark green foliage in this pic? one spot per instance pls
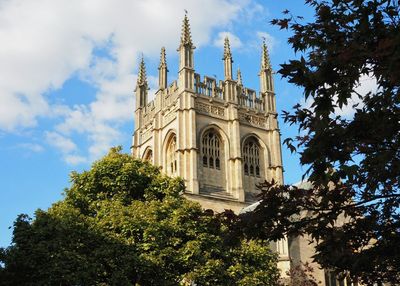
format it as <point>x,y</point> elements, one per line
<point>302,275</point>
<point>124,223</point>
<point>64,250</point>
<point>353,162</point>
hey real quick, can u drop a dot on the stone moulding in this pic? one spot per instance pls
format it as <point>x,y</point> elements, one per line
<point>208,109</point>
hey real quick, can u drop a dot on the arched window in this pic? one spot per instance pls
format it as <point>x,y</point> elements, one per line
<point>148,155</point>
<point>171,156</point>
<point>210,150</point>
<point>251,158</point>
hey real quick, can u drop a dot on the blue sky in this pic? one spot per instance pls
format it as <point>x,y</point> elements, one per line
<point>68,71</point>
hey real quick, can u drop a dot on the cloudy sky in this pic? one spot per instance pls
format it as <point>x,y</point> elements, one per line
<point>68,70</point>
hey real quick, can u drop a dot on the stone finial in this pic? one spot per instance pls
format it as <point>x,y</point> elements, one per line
<point>239,77</point>
<point>142,79</point>
<point>227,60</point>
<point>227,48</point>
<point>186,37</point>
<point>265,62</point>
<point>163,58</point>
<point>162,70</point>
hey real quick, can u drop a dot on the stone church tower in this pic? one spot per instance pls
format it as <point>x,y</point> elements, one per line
<point>221,137</point>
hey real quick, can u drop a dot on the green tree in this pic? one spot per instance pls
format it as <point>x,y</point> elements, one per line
<point>353,162</point>
<point>302,275</point>
<point>124,223</point>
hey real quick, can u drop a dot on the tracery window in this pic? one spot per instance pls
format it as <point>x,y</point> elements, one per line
<point>171,156</point>
<point>251,158</point>
<point>211,150</point>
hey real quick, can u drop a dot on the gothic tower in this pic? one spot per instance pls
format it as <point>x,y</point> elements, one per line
<point>221,137</point>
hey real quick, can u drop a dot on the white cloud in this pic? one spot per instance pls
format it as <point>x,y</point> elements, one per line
<point>46,42</point>
<point>33,147</point>
<point>234,40</point>
<point>18,109</point>
<point>93,123</point>
<point>63,143</point>
<point>66,146</point>
<point>269,40</point>
<point>75,159</point>
<point>254,10</point>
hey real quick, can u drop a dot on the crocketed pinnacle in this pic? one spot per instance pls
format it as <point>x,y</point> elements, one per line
<point>142,79</point>
<point>239,77</point>
<point>163,58</point>
<point>265,62</point>
<point>227,49</point>
<point>186,37</point>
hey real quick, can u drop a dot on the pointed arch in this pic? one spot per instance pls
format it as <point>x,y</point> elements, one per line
<point>211,145</point>
<point>148,155</point>
<point>170,163</point>
<point>255,161</point>
<point>213,159</point>
<point>266,151</point>
<point>220,132</point>
<point>251,152</point>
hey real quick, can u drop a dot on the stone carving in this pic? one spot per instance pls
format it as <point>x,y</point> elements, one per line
<point>169,117</point>
<point>252,119</point>
<point>208,109</point>
<point>219,111</point>
<point>146,135</point>
<point>202,107</point>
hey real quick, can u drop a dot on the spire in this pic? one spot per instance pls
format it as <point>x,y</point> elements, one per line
<point>142,79</point>
<point>239,77</point>
<point>227,60</point>
<point>266,81</point>
<point>141,86</point>
<point>163,58</point>
<point>227,49</point>
<point>186,59</point>
<point>265,63</point>
<point>186,37</point>
<point>162,70</point>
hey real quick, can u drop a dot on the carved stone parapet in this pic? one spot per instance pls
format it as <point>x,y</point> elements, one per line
<point>255,120</point>
<point>215,111</point>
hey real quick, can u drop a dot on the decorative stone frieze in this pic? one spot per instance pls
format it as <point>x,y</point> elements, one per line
<point>259,121</point>
<point>209,109</point>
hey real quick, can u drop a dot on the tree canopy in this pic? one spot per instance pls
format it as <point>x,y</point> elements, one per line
<point>124,223</point>
<point>353,160</point>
